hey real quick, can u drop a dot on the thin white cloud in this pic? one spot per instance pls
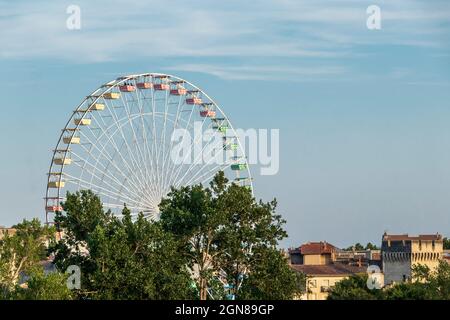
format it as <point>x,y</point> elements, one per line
<point>268,28</point>
<point>258,40</point>
<point>291,73</point>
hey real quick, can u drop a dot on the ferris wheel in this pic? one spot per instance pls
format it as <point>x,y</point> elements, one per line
<point>121,140</point>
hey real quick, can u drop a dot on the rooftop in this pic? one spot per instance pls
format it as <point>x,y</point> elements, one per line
<point>335,269</point>
<point>322,247</point>
<point>406,237</point>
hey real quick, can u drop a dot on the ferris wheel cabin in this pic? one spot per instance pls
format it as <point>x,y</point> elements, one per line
<point>178,91</point>
<point>127,88</point>
<point>54,208</point>
<point>71,140</point>
<point>194,100</point>
<point>56,184</point>
<point>144,85</point>
<point>161,86</point>
<point>97,107</point>
<point>239,166</point>
<point>62,161</point>
<point>82,122</point>
<point>111,95</point>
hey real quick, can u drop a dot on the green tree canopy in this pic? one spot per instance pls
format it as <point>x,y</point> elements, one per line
<point>21,252</point>
<point>221,227</point>
<point>21,273</point>
<point>354,288</point>
<point>120,258</point>
<point>271,278</point>
<point>40,286</point>
<point>446,243</point>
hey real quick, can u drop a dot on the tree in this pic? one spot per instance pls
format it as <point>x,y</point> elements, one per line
<point>446,243</point>
<point>188,213</point>
<point>219,227</point>
<point>356,247</point>
<point>21,274</point>
<point>409,291</point>
<point>354,288</point>
<point>359,247</point>
<point>370,246</point>
<point>21,252</point>
<point>119,258</point>
<point>271,278</point>
<point>40,286</point>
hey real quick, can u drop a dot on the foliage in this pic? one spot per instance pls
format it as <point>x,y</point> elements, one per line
<point>20,253</point>
<point>205,237</point>
<point>446,243</point>
<point>43,287</point>
<point>21,274</point>
<point>271,278</point>
<point>353,288</point>
<point>119,258</point>
<point>359,247</point>
<point>370,246</point>
<point>219,226</point>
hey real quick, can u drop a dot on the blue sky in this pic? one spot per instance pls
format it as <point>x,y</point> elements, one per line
<point>363,114</point>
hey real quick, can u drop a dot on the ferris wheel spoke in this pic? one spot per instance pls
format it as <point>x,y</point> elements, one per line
<point>104,172</point>
<point>130,154</point>
<point>109,137</point>
<point>140,154</point>
<point>106,155</point>
<point>211,172</point>
<point>118,192</point>
<point>150,152</point>
<point>194,162</point>
<point>120,206</point>
<point>204,169</point>
<point>148,157</point>
<point>155,147</point>
<point>191,174</point>
<point>167,162</point>
<point>194,173</point>
<point>184,159</point>
<point>99,189</point>
<point>163,142</point>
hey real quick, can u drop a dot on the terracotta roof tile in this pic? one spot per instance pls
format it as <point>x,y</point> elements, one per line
<point>335,269</point>
<point>317,248</point>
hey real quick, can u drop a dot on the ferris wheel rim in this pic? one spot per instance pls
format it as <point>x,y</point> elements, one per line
<point>108,87</point>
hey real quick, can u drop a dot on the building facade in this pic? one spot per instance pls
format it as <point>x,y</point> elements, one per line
<point>401,252</point>
<point>6,231</point>
<point>317,260</point>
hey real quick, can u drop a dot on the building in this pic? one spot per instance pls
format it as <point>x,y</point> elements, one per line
<point>399,253</point>
<point>317,260</point>
<point>359,257</point>
<point>6,231</point>
<point>321,278</point>
<point>313,253</point>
